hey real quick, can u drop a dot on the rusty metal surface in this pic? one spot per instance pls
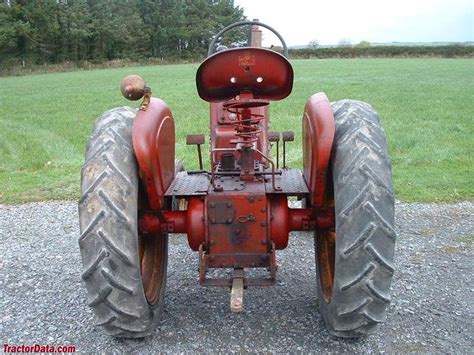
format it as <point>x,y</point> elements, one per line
<point>237,228</point>
<point>237,293</point>
<point>273,136</point>
<point>146,99</point>
<point>290,181</point>
<point>188,185</point>
<point>192,139</point>
<point>241,104</point>
<point>223,129</point>
<point>267,260</point>
<point>288,136</point>
<point>132,87</point>
<point>221,212</point>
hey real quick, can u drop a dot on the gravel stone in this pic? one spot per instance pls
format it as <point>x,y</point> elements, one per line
<point>43,300</point>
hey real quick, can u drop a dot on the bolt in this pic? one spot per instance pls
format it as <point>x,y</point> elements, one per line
<point>251,199</point>
<point>229,205</point>
<point>212,258</point>
<point>213,220</point>
<point>212,205</point>
<point>263,224</point>
<point>212,242</point>
<point>229,220</point>
<point>263,209</point>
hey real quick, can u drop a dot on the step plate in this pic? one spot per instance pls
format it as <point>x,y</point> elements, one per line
<point>291,182</point>
<point>188,185</point>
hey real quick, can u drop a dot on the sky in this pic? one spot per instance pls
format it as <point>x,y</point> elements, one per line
<point>330,21</point>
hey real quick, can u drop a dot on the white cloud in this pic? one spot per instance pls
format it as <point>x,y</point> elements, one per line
<point>300,21</point>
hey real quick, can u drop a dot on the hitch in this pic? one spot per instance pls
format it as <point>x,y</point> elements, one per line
<point>237,292</point>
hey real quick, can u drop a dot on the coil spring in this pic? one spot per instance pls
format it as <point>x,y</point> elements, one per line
<point>247,128</point>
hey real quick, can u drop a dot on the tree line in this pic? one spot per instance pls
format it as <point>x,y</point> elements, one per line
<point>365,50</point>
<point>56,31</point>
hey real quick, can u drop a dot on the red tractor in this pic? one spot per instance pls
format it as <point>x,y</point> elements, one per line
<point>235,213</point>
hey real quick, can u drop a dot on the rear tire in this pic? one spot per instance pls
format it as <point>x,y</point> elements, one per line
<point>355,272</point>
<point>126,297</point>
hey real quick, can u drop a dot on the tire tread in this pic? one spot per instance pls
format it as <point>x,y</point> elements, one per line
<point>365,236</point>
<point>107,212</point>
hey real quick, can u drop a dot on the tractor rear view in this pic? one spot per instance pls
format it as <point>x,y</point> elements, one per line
<point>235,212</point>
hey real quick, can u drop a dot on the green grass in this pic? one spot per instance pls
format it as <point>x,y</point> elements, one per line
<point>426,107</point>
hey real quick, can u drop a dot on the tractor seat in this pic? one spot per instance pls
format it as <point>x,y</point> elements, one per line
<point>266,74</point>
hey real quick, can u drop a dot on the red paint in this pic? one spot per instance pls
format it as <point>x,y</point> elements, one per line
<point>189,222</point>
<point>318,136</point>
<point>154,144</point>
<point>237,227</point>
<point>243,225</point>
<point>195,219</point>
<point>222,76</point>
<point>279,221</point>
<point>223,132</point>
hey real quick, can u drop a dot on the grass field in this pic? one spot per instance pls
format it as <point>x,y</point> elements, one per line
<point>426,107</point>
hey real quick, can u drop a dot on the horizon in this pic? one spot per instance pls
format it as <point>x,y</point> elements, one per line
<point>406,21</point>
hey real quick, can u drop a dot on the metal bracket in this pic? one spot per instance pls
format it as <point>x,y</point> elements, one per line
<point>146,98</point>
<point>229,282</point>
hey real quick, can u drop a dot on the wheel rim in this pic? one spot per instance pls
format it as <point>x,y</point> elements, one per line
<point>326,248</point>
<point>153,253</point>
<point>153,250</point>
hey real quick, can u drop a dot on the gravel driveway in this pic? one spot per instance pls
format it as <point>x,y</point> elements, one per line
<point>43,300</point>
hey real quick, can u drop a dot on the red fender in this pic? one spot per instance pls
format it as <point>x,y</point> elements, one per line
<point>318,136</point>
<point>154,144</point>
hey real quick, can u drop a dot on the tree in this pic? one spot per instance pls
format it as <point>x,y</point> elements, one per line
<point>363,44</point>
<point>344,43</point>
<point>51,31</point>
<point>313,44</point>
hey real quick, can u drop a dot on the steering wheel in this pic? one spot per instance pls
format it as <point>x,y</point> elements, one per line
<point>212,45</point>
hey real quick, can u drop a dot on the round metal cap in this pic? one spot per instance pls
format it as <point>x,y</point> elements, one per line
<point>133,87</point>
